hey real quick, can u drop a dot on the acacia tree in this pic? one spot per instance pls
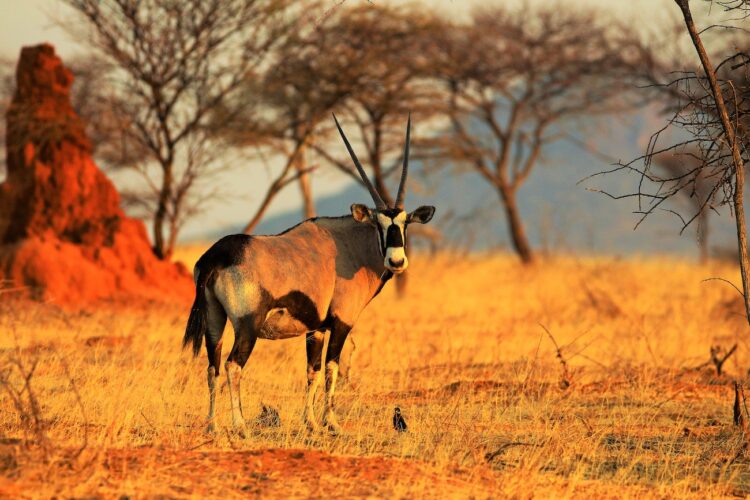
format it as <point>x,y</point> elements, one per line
<point>516,79</point>
<point>173,64</point>
<point>385,53</point>
<point>304,82</point>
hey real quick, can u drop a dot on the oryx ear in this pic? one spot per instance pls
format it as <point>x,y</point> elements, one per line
<point>423,214</point>
<point>361,213</point>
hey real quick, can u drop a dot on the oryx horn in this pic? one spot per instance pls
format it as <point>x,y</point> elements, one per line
<point>379,203</point>
<point>405,169</point>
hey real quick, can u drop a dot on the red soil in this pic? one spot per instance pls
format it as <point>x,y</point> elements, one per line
<point>282,473</point>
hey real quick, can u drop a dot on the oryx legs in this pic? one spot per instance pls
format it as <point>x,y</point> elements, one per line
<point>245,335</point>
<point>339,332</point>
<point>216,321</point>
<point>314,345</point>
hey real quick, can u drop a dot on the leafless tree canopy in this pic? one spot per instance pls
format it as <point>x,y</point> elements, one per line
<point>369,64</point>
<point>676,165</point>
<point>306,79</point>
<point>708,103</point>
<point>700,164</point>
<point>517,79</point>
<point>173,63</point>
<point>386,54</point>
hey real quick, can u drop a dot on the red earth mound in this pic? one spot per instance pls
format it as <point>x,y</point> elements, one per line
<point>63,236</point>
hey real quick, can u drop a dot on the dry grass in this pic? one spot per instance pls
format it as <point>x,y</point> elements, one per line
<point>490,409</point>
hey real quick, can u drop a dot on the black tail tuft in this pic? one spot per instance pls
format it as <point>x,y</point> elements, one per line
<point>196,324</point>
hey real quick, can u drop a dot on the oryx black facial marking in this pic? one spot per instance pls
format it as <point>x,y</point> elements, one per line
<point>313,277</point>
<point>392,226</point>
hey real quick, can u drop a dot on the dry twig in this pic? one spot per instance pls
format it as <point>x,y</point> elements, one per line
<point>565,381</point>
<point>739,417</point>
<point>718,360</point>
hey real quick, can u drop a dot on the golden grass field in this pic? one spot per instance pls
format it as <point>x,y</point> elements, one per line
<point>463,353</point>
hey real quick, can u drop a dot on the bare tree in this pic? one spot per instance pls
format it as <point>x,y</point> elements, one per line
<point>386,55</point>
<point>174,63</point>
<point>303,86</point>
<point>712,104</point>
<point>727,136</point>
<point>677,165</point>
<point>304,82</point>
<point>685,101</point>
<point>517,80</point>
<point>97,103</point>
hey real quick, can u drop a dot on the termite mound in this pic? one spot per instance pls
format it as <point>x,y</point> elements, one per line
<point>63,236</point>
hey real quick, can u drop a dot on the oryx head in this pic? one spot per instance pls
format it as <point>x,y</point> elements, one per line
<point>391,222</point>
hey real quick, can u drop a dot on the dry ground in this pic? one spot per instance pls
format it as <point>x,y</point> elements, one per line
<point>491,409</point>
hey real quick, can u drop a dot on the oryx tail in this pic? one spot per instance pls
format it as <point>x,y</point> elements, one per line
<point>197,322</point>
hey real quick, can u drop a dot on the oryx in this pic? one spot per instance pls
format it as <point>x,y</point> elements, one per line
<point>318,275</point>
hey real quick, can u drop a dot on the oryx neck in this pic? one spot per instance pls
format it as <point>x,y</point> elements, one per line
<point>356,242</point>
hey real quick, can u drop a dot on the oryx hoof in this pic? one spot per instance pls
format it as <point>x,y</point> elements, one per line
<point>240,429</point>
<point>312,425</point>
<point>331,425</point>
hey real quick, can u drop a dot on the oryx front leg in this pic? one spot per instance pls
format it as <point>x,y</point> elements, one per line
<point>234,373</point>
<point>314,346</point>
<point>244,341</point>
<point>313,382</point>
<point>339,333</point>
<point>329,417</point>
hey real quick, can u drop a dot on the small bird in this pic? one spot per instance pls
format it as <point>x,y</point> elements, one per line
<point>269,417</point>
<point>398,420</point>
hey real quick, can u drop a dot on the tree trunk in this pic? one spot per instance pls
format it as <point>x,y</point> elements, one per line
<point>703,236</point>
<point>739,164</point>
<point>303,178</point>
<point>270,194</point>
<point>160,216</point>
<point>172,239</point>
<point>515,225</point>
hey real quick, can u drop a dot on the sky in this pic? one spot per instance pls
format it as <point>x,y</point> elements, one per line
<point>34,21</point>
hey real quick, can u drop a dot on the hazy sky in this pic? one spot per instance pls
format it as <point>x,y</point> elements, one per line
<point>25,22</point>
<point>30,22</point>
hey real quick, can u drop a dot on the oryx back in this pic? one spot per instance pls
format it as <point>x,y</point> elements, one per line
<point>281,284</point>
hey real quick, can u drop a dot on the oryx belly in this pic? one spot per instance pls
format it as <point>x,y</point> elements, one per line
<point>281,324</point>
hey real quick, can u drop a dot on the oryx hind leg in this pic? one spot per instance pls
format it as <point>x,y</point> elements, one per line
<point>314,346</point>
<point>216,320</point>
<point>245,335</point>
